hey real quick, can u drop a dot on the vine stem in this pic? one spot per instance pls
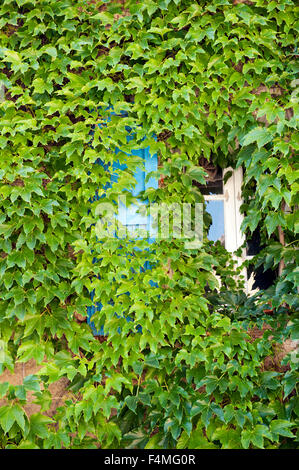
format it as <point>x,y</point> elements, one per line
<point>291,243</point>
<point>138,385</point>
<point>282,241</point>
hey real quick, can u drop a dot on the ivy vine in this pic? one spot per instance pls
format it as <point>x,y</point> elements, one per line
<point>215,79</point>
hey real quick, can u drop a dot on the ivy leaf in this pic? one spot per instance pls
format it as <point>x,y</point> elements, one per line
<point>51,51</point>
<point>19,414</point>
<point>7,418</point>
<point>31,350</point>
<point>38,425</point>
<point>4,386</point>
<point>131,402</point>
<point>31,382</point>
<point>39,85</point>
<point>260,135</point>
<point>198,174</point>
<point>272,221</point>
<point>281,427</point>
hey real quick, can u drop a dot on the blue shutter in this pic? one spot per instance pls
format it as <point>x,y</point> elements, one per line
<point>129,215</point>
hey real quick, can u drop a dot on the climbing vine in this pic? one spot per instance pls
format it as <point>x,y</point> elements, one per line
<point>215,79</point>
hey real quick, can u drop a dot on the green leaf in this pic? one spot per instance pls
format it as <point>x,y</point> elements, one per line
<point>4,386</point>
<point>19,415</point>
<point>31,382</point>
<point>260,135</point>
<point>131,402</point>
<point>52,51</point>
<point>7,418</point>
<point>39,425</point>
<point>39,85</point>
<point>281,427</point>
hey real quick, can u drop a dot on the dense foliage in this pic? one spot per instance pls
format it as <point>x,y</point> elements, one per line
<point>209,78</point>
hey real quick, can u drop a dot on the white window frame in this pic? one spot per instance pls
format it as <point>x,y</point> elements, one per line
<point>232,200</point>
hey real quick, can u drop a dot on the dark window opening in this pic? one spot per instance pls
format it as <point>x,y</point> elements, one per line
<point>262,279</point>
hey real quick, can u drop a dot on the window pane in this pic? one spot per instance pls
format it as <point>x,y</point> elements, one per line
<point>216,210</point>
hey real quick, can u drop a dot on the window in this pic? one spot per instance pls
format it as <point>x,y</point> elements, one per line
<point>223,197</point>
<point>222,194</point>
